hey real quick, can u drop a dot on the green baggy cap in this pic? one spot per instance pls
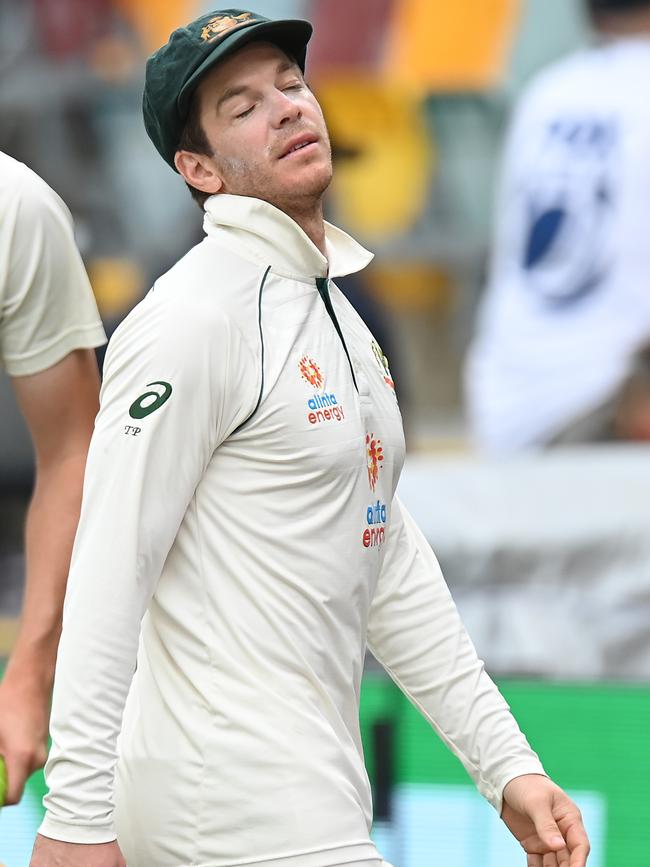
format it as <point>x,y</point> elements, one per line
<point>174,71</point>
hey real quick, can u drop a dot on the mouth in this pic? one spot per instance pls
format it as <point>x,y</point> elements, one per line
<point>299,143</point>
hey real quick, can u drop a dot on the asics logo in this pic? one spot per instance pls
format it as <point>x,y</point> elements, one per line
<point>150,401</point>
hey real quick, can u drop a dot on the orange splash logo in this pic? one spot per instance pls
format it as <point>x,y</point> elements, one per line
<point>375,459</point>
<point>311,372</point>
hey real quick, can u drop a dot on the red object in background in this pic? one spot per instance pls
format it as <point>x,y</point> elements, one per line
<point>348,34</point>
<point>65,28</point>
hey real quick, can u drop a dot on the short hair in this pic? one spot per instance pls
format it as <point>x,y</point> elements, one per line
<point>194,139</point>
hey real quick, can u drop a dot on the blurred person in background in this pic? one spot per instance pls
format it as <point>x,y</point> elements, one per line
<point>559,354</point>
<point>49,327</point>
<point>356,290</point>
<point>226,540</point>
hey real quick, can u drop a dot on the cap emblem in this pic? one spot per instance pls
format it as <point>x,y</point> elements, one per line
<point>220,24</point>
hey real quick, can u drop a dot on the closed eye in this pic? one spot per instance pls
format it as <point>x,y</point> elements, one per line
<point>245,113</point>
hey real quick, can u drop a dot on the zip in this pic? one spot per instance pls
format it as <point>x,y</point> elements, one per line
<point>322,284</point>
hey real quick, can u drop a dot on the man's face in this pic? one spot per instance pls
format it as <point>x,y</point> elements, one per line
<point>265,128</point>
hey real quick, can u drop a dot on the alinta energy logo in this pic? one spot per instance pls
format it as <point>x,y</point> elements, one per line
<point>375,533</point>
<point>323,405</point>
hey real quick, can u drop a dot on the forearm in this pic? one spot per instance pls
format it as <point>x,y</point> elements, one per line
<point>416,633</point>
<point>50,528</point>
<point>60,428</point>
<point>27,684</point>
<point>106,596</point>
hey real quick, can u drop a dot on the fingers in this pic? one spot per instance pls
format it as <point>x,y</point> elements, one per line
<point>572,853</point>
<point>17,772</point>
<point>22,756</point>
<point>544,858</point>
<point>579,855</point>
<point>546,827</point>
<point>546,822</point>
<point>577,841</point>
<point>536,844</point>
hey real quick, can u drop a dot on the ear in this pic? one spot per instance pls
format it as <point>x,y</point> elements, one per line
<point>198,170</point>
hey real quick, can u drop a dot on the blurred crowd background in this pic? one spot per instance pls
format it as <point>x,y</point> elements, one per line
<point>416,95</point>
<point>547,550</point>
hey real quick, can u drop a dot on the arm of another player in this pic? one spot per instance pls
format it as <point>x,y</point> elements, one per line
<point>416,633</point>
<point>59,405</point>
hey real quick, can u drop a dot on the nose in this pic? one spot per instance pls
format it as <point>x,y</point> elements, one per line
<point>285,109</point>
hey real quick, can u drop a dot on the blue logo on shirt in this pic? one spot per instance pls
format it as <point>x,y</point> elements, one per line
<point>568,204</point>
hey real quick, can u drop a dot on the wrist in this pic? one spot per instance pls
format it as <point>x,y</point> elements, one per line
<point>34,654</point>
<point>518,788</point>
<point>29,674</point>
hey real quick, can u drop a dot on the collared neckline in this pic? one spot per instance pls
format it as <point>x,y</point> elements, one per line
<point>259,231</point>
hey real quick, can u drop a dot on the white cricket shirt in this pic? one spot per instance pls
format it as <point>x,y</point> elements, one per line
<point>568,301</point>
<point>47,307</point>
<point>244,511</point>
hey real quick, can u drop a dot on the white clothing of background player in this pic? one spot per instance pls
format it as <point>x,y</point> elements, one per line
<point>567,308</point>
<point>240,501</point>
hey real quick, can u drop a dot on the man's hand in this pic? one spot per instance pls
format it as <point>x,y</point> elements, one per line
<point>545,821</point>
<point>24,709</point>
<point>55,853</point>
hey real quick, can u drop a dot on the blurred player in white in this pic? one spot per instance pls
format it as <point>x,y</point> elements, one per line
<point>240,533</point>
<point>49,326</point>
<point>567,309</point>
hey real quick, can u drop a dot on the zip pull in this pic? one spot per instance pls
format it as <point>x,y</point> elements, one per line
<point>322,284</point>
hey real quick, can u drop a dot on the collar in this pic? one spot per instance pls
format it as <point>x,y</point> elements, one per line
<point>259,231</point>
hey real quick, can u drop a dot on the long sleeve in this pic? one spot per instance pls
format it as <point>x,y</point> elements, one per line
<point>415,632</point>
<point>176,384</point>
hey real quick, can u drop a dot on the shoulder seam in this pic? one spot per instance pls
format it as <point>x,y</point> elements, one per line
<point>261,333</point>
